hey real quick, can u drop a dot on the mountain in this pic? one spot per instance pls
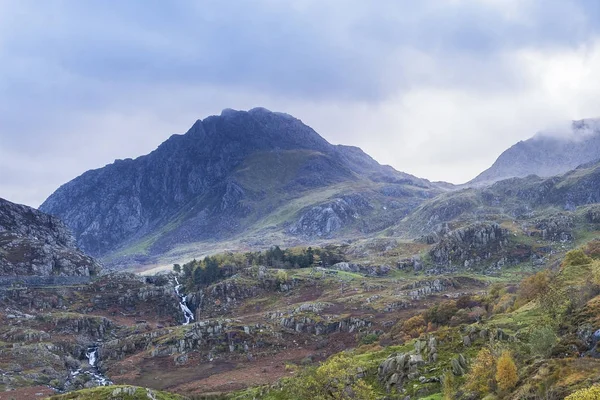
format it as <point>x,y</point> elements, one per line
<point>546,154</point>
<point>255,176</point>
<point>34,243</point>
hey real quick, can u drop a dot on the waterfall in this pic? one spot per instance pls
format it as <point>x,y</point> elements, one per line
<point>187,313</point>
<point>97,377</point>
<point>91,355</point>
<point>94,373</point>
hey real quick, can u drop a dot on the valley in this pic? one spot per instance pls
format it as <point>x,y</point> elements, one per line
<point>299,200</point>
<point>234,268</point>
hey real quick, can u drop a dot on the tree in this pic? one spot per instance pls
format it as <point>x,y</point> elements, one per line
<point>441,313</point>
<point>198,275</point>
<point>414,326</point>
<point>449,386</point>
<point>480,378</point>
<point>177,268</point>
<point>188,269</point>
<point>506,372</point>
<point>311,256</point>
<point>211,270</point>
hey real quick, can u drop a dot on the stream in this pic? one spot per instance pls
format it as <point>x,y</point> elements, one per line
<point>187,313</point>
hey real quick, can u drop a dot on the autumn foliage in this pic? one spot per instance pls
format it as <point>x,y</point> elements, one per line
<point>480,379</point>
<point>534,286</point>
<point>592,393</point>
<point>592,249</point>
<point>576,257</point>
<point>506,372</point>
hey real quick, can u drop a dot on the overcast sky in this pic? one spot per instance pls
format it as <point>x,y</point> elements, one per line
<point>436,88</point>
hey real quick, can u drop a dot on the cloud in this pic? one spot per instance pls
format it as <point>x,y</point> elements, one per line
<point>434,88</point>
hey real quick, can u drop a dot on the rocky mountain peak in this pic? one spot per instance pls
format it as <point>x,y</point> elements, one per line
<point>227,172</point>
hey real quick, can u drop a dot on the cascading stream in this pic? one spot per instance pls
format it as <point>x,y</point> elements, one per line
<point>95,374</point>
<point>187,313</point>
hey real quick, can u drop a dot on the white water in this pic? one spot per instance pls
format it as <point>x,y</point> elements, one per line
<point>187,313</point>
<point>92,356</point>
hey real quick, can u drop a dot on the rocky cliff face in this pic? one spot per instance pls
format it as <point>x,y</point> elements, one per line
<point>34,243</point>
<point>546,155</point>
<point>225,174</point>
<point>470,245</point>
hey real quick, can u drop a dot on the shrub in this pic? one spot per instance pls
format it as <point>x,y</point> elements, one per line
<point>414,326</point>
<point>369,338</point>
<point>576,257</point>
<point>592,393</point>
<point>541,341</point>
<point>282,276</point>
<point>534,286</point>
<point>592,249</point>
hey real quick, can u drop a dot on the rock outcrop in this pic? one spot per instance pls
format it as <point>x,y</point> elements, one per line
<point>400,368</point>
<point>35,243</point>
<point>326,219</point>
<point>470,245</point>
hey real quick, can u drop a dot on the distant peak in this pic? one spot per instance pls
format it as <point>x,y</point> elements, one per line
<point>260,110</point>
<point>227,112</point>
<point>256,111</point>
<point>570,131</point>
<point>590,124</point>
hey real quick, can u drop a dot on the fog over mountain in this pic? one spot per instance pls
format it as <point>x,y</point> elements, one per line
<point>548,153</point>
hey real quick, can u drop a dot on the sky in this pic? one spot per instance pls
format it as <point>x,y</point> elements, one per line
<point>435,88</point>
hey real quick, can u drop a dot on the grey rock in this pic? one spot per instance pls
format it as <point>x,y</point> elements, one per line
<point>466,341</point>
<point>37,244</point>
